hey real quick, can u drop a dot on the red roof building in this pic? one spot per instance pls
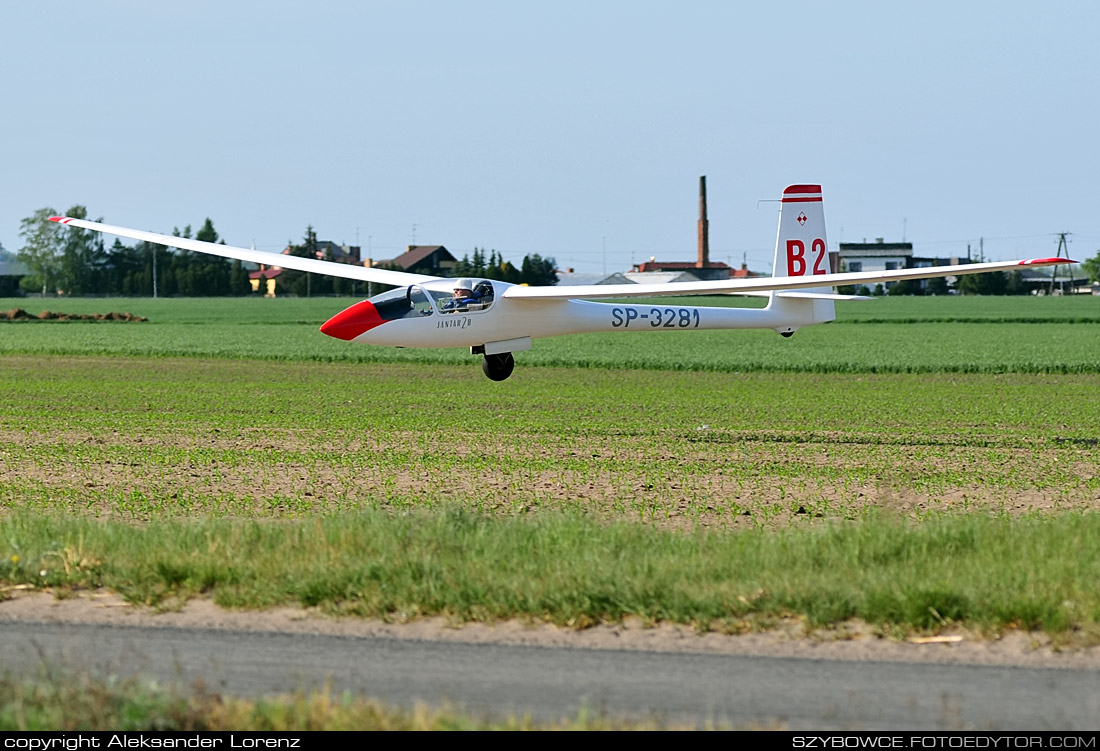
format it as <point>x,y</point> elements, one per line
<point>423,259</point>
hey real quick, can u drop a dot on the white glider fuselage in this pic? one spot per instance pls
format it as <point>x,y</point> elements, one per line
<point>508,320</point>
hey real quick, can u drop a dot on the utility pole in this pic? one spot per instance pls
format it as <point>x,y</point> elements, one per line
<point>154,270</point>
<point>1063,244</point>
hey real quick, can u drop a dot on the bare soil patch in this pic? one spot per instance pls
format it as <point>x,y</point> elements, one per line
<point>769,483</point>
<point>19,314</point>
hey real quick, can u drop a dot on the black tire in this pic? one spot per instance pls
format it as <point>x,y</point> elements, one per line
<point>498,367</point>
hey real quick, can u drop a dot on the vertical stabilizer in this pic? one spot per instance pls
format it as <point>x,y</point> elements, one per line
<point>801,249</point>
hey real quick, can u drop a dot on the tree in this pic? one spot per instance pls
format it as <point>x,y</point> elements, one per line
<point>463,267</point>
<point>238,280</point>
<point>42,248</point>
<point>905,287</point>
<point>989,283</point>
<point>126,271</point>
<point>82,257</point>
<point>937,286</point>
<point>212,272</point>
<point>1092,267</point>
<point>538,271</point>
<point>534,269</point>
<point>207,234</point>
<point>299,282</point>
<point>1014,284</point>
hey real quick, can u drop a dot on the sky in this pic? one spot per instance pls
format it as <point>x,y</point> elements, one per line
<point>575,130</point>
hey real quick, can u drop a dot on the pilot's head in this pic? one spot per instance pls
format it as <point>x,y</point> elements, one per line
<point>464,287</point>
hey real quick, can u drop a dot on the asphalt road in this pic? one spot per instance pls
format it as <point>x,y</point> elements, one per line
<point>551,683</point>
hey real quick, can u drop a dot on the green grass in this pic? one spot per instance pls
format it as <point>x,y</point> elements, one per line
<point>314,311</point>
<point>58,701</point>
<point>913,474</point>
<point>984,573</point>
<point>380,490</point>
<point>914,335</point>
<point>144,439</point>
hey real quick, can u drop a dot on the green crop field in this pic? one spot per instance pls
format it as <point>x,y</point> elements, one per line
<point>891,335</point>
<point>931,465</point>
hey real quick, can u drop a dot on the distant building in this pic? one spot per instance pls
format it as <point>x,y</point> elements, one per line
<point>696,271</point>
<point>266,277</point>
<point>435,260</point>
<point>571,279</point>
<point>660,277</point>
<point>12,271</point>
<point>883,256</point>
<point>1043,282</point>
<point>338,253</point>
<point>745,273</point>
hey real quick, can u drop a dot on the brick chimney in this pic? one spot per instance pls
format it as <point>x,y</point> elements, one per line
<point>704,226</point>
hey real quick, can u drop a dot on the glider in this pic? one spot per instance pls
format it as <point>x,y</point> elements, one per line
<point>495,319</point>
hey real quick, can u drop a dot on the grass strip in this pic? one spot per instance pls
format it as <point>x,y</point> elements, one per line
<point>918,335</point>
<point>981,572</point>
<point>56,701</point>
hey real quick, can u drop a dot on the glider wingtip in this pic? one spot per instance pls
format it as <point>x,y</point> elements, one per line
<point>60,219</point>
<point>1046,261</point>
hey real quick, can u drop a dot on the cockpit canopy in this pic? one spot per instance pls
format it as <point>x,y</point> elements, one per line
<point>437,297</point>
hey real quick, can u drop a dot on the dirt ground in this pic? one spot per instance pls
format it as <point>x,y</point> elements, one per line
<point>682,495</point>
<point>852,641</point>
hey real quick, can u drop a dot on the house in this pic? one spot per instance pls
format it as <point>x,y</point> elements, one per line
<point>700,270</point>
<point>1060,281</point>
<point>267,277</point>
<point>338,253</point>
<point>12,272</point>
<point>435,260</point>
<point>660,277</point>
<point>571,279</point>
<point>883,256</point>
<point>744,273</point>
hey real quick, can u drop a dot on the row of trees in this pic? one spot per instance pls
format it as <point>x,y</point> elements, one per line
<point>75,261</point>
<point>535,269</point>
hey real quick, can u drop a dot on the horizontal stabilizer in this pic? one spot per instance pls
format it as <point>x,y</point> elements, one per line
<point>803,295</point>
<point>821,296</point>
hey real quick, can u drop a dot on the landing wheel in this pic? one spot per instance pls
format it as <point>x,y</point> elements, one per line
<point>498,367</point>
<point>786,333</point>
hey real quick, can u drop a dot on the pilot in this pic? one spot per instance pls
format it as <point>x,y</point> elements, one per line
<point>464,295</point>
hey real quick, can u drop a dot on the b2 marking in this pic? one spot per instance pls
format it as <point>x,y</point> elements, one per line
<point>796,257</point>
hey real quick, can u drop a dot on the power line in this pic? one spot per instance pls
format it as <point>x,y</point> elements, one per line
<point>1063,244</point>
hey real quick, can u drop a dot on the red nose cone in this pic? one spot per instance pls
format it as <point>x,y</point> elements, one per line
<point>350,323</point>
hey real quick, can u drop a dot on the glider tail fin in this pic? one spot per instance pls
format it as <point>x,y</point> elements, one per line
<point>801,249</point>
